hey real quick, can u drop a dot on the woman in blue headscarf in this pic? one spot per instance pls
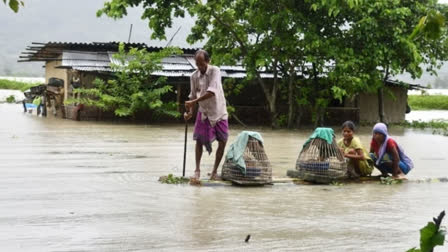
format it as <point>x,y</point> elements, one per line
<point>388,156</point>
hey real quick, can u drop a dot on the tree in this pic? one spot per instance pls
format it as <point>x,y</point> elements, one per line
<point>266,36</point>
<point>381,40</point>
<point>133,87</point>
<point>316,50</point>
<point>14,4</point>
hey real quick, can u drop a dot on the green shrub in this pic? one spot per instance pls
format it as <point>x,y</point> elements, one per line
<point>438,126</point>
<point>11,99</point>
<point>431,235</point>
<point>16,85</point>
<point>428,102</point>
<point>171,179</point>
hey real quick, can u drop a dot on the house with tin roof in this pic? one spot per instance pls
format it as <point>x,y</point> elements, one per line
<point>78,64</point>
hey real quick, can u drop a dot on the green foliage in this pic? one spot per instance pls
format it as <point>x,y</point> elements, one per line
<point>282,120</point>
<point>11,99</point>
<point>366,42</point>
<point>338,93</point>
<point>428,102</point>
<point>16,85</point>
<point>171,179</point>
<point>390,181</point>
<point>431,235</point>
<point>430,26</point>
<point>336,183</point>
<point>133,87</point>
<point>438,126</point>
<point>14,4</point>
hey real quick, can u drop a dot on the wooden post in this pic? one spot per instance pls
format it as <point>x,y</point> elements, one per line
<point>381,104</point>
<point>179,98</point>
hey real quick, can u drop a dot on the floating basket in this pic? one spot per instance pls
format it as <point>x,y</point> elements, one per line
<point>321,162</point>
<point>258,167</point>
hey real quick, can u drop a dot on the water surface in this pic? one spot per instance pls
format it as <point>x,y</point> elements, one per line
<point>92,186</point>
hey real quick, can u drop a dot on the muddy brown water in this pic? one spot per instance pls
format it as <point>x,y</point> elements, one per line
<point>90,186</point>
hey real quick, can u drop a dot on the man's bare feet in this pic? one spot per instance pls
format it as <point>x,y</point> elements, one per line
<point>214,176</point>
<point>197,175</point>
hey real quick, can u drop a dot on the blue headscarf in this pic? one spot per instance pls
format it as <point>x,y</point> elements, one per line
<point>382,128</point>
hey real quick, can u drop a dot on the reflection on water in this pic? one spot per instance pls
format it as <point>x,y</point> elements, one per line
<point>84,186</point>
<point>427,115</point>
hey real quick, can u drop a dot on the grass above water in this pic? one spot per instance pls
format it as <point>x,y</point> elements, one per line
<point>428,102</point>
<point>438,126</point>
<point>15,85</point>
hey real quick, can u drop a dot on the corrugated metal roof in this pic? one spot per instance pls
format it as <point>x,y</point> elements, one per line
<point>92,69</point>
<point>51,50</point>
<point>77,58</point>
<point>173,73</point>
<point>177,67</point>
<point>176,60</point>
<point>241,75</point>
<point>233,68</point>
<point>97,56</point>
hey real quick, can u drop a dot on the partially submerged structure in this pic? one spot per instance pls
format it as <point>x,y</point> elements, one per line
<point>78,64</point>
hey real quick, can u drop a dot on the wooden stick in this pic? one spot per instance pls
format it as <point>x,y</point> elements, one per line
<point>185,147</point>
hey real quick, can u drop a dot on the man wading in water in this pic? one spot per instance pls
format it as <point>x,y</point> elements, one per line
<point>211,119</point>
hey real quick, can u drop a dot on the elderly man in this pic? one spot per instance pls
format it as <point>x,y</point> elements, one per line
<point>211,119</point>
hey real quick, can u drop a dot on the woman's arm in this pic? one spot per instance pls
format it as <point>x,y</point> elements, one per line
<point>358,154</point>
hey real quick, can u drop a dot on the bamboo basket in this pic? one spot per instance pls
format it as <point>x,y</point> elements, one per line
<point>258,167</point>
<point>321,162</point>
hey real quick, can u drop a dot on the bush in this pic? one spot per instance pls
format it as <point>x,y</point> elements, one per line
<point>428,102</point>
<point>11,99</point>
<point>16,85</point>
<point>134,88</point>
<point>438,126</point>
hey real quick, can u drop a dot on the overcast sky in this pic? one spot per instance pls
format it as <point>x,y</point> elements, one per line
<point>71,21</point>
<point>76,21</point>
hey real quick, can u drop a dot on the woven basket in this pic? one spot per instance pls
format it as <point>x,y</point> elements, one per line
<point>258,167</point>
<point>321,162</point>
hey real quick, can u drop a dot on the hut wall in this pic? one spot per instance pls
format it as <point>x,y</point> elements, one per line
<point>394,107</point>
<point>56,107</point>
<point>52,72</point>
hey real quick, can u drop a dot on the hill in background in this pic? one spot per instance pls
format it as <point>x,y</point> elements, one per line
<point>70,21</point>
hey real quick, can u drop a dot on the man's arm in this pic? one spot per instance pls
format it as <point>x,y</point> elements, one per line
<point>190,104</point>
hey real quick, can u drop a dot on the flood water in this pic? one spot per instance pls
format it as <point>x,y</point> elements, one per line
<point>91,186</point>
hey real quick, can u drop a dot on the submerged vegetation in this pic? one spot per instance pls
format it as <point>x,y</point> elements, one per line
<point>390,181</point>
<point>11,99</point>
<point>171,179</point>
<point>428,102</point>
<point>438,126</point>
<point>15,85</point>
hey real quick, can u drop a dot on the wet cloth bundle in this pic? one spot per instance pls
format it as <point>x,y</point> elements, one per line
<point>326,134</point>
<point>237,148</point>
